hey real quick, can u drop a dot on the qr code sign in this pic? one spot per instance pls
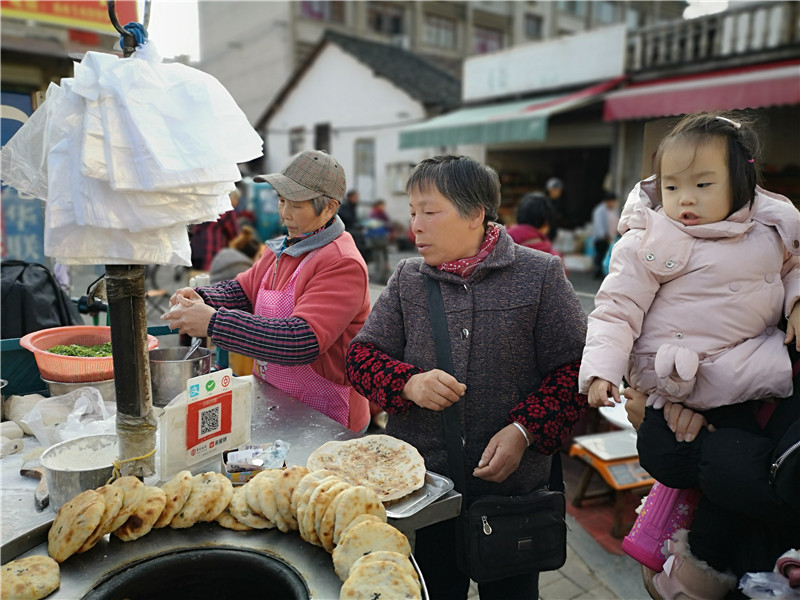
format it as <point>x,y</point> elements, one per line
<point>210,421</point>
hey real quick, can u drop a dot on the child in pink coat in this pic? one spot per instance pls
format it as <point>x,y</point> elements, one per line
<point>707,266</point>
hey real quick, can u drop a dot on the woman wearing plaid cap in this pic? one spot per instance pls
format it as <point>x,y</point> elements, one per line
<point>296,310</point>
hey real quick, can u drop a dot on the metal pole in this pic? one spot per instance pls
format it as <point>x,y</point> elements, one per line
<point>125,286</point>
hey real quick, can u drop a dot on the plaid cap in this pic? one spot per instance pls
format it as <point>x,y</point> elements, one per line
<point>308,175</point>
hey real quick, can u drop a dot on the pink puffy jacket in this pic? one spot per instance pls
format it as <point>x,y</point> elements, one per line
<point>689,314</point>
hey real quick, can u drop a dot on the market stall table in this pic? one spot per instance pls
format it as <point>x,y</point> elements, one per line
<point>275,416</point>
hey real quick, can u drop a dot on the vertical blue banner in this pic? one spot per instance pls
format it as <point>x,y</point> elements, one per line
<point>22,222</point>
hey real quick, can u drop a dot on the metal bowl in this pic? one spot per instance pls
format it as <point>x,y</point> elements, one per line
<point>73,466</point>
<point>106,388</point>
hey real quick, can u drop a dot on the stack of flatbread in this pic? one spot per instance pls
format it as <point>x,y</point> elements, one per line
<point>29,578</point>
<point>390,467</point>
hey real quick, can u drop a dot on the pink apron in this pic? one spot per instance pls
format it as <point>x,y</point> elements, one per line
<point>299,381</point>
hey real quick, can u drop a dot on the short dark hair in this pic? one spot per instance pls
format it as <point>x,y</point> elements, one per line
<point>535,209</point>
<point>469,185</point>
<point>742,145</point>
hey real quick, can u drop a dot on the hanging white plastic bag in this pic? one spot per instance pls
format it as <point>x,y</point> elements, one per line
<point>80,412</point>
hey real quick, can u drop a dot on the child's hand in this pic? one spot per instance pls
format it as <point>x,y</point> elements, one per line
<point>598,393</point>
<point>793,327</point>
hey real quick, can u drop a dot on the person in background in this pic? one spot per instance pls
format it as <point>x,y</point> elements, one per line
<point>706,268</point>
<point>239,256</point>
<point>380,234</point>
<point>554,188</point>
<point>534,217</point>
<point>296,309</point>
<point>348,213</point>
<point>605,218</point>
<point>516,332</point>
<point>212,236</point>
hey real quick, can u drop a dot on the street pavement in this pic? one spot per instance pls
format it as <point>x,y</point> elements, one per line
<point>590,571</point>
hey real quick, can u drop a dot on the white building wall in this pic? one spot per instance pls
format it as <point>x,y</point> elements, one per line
<point>247,46</point>
<point>339,90</point>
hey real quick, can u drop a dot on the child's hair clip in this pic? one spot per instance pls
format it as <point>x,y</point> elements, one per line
<point>751,160</point>
<point>734,123</point>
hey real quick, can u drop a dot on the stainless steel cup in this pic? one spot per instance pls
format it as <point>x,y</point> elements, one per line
<point>169,372</point>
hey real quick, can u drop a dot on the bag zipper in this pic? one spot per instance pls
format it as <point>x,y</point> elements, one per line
<point>773,471</point>
<point>487,529</point>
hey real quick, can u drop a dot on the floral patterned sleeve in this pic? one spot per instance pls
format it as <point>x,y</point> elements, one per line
<point>379,377</point>
<point>550,413</point>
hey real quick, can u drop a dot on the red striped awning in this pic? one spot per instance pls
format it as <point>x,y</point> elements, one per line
<point>750,87</point>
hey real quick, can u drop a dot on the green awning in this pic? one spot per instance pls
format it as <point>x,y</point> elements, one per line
<point>519,121</point>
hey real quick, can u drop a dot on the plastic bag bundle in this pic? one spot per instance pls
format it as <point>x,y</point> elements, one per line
<point>127,154</point>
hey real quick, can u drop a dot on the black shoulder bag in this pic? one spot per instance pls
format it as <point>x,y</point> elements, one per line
<point>498,536</point>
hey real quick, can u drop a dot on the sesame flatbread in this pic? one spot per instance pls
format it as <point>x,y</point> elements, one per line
<point>177,491</point>
<point>74,523</point>
<point>379,579</point>
<point>141,521</point>
<point>133,494</point>
<point>29,578</point>
<point>356,501</point>
<point>220,499</point>
<point>385,464</point>
<point>284,486</point>
<point>400,560</point>
<point>240,510</point>
<point>113,498</point>
<point>205,487</point>
<point>363,538</point>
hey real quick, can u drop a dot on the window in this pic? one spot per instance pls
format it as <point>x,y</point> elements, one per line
<point>331,11</point>
<point>322,137</point>
<point>297,140</point>
<point>603,11</point>
<point>365,158</point>
<point>533,27</point>
<point>385,18</point>
<point>573,7</point>
<point>633,18</point>
<point>486,40</point>
<point>440,31</point>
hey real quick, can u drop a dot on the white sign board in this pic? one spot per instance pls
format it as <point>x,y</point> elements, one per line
<point>575,59</point>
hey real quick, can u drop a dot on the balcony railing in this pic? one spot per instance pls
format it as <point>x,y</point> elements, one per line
<point>753,29</point>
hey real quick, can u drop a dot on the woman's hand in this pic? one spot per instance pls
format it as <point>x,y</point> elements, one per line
<point>434,389</point>
<point>599,391</point>
<point>502,455</point>
<point>189,314</point>
<point>684,422</point>
<point>793,327</point>
<point>635,402</point>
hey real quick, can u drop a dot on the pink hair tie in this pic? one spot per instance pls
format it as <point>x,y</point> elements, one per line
<point>751,160</point>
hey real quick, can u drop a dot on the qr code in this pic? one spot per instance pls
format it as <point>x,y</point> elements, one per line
<point>210,420</point>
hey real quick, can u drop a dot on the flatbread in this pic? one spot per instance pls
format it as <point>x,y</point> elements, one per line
<point>310,535</point>
<point>318,504</point>
<point>177,491</point>
<point>284,486</point>
<point>400,560</point>
<point>141,521</point>
<point>356,521</point>
<point>74,523</point>
<point>302,486</point>
<point>240,510</point>
<point>379,579</point>
<point>113,498</point>
<point>133,494</point>
<point>29,578</point>
<point>363,538</point>
<point>221,498</point>
<point>205,488</point>
<point>387,465</point>
<point>265,495</point>
<point>253,489</point>
<point>358,500</point>
<point>227,520</point>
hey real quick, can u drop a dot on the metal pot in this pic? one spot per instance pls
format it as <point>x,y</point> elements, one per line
<point>76,465</point>
<point>106,388</point>
<point>169,372</point>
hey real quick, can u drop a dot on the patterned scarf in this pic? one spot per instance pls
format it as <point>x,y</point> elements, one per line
<point>465,266</point>
<point>287,241</point>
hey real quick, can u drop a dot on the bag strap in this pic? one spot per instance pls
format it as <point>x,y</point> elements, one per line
<point>450,417</point>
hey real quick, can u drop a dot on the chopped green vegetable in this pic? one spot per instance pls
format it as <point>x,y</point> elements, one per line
<point>98,350</point>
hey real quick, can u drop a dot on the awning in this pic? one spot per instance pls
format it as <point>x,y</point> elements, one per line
<point>520,121</point>
<point>751,87</point>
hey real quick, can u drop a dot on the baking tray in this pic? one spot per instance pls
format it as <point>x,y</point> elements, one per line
<point>435,487</point>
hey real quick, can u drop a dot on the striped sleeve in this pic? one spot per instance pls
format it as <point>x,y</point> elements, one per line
<point>229,294</point>
<point>281,341</point>
<point>550,413</point>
